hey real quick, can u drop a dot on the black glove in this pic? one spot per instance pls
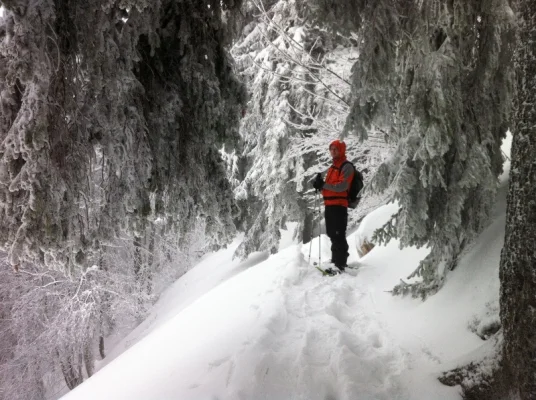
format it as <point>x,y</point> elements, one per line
<point>318,183</point>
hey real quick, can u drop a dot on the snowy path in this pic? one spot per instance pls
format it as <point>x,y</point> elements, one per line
<point>316,340</point>
<point>322,341</point>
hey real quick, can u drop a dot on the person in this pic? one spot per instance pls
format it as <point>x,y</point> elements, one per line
<point>335,194</point>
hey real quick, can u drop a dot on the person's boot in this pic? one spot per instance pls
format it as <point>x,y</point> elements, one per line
<point>341,267</point>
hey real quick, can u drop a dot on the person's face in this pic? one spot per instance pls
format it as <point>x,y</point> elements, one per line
<point>334,150</point>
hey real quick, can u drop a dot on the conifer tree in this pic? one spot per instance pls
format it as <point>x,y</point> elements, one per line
<point>436,77</point>
<point>141,92</point>
<point>518,257</point>
<point>271,55</point>
<point>111,179</point>
<point>299,99</point>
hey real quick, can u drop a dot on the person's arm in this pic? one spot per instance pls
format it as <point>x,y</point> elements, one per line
<point>342,184</point>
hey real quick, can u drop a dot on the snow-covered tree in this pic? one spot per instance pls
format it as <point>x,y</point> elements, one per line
<point>141,90</point>
<point>518,257</point>
<point>54,324</point>
<point>436,77</point>
<point>299,100</point>
<point>111,179</point>
<point>267,61</point>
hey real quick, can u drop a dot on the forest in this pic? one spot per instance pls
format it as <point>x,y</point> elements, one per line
<point>138,136</point>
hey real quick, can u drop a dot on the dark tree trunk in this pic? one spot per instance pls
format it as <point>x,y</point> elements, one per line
<point>101,347</point>
<point>307,232</point>
<point>518,258</point>
<point>138,261</point>
<point>138,275</point>
<point>88,361</point>
<point>72,373</point>
<point>150,260</point>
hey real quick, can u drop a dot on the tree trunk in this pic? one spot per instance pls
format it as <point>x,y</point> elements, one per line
<point>88,361</point>
<point>71,373</point>
<point>150,259</point>
<point>518,257</point>
<point>307,232</point>
<point>101,347</point>
<point>137,258</point>
<point>138,276</point>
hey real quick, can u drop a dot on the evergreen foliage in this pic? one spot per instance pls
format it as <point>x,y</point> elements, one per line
<point>142,93</point>
<point>436,78</point>
<point>518,257</point>
<point>299,100</point>
<point>271,56</point>
<point>111,178</point>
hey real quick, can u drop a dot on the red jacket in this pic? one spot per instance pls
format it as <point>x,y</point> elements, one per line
<point>337,184</point>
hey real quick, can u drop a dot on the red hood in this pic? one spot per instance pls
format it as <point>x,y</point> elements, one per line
<point>342,150</point>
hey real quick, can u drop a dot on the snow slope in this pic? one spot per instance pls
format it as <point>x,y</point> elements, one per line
<point>274,328</point>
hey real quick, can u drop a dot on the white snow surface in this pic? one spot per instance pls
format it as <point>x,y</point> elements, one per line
<point>274,328</point>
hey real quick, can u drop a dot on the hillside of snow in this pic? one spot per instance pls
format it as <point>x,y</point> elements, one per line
<point>275,328</point>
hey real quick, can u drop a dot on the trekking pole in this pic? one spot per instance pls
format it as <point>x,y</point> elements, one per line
<point>312,227</point>
<point>319,233</point>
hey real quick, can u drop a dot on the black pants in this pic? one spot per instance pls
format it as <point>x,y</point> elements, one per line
<point>336,221</point>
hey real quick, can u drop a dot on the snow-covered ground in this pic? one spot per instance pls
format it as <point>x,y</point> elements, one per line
<point>274,328</point>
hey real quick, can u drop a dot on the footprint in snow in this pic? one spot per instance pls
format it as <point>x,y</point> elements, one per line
<point>218,362</point>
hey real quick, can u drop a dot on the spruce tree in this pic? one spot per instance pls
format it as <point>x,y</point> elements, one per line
<point>271,55</point>
<point>518,257</point>
<point>117,107</point>
<point>111,179</point>
<point>436,78</point>
<point>299,100</point>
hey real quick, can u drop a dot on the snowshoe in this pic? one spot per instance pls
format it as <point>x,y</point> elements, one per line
<point>329,271</point>
<point>334,271</point>
<point>322,271</point>
<point>329,268</point>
